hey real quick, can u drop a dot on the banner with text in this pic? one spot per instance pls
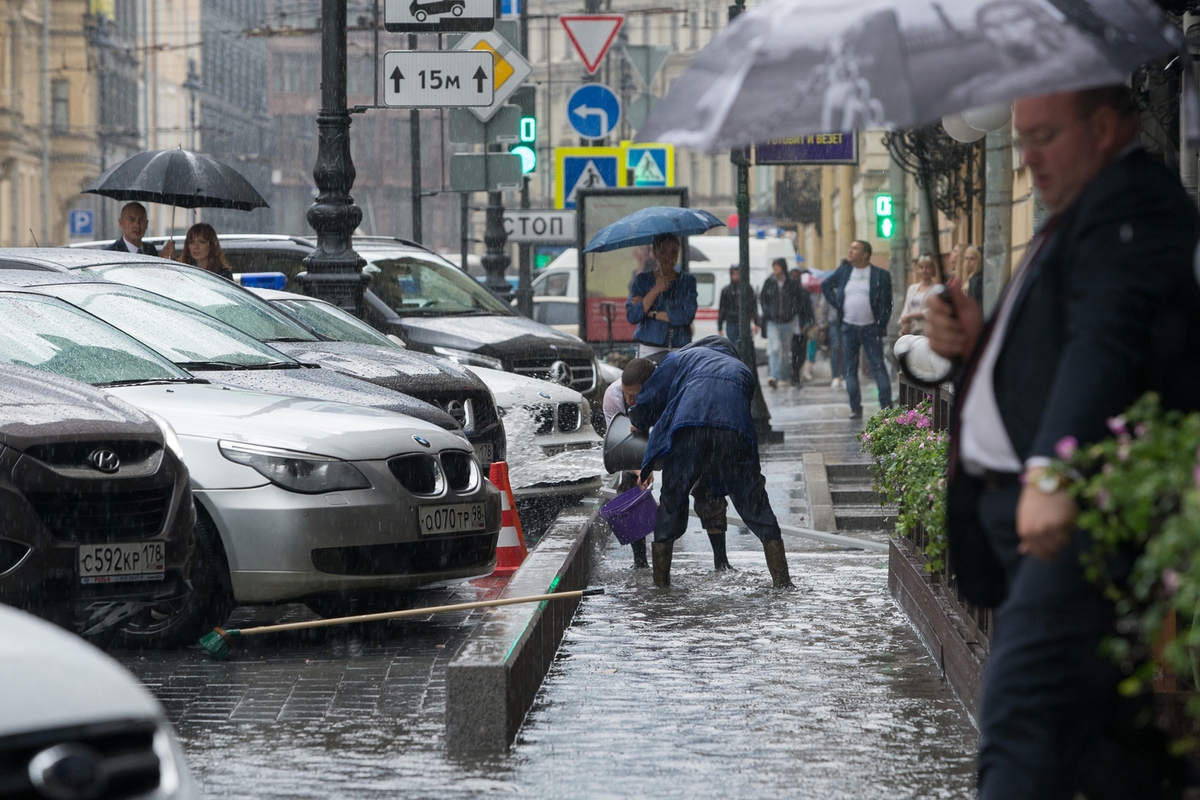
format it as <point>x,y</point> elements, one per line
<point>814,148</point>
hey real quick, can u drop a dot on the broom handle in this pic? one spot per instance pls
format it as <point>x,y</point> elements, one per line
<point>416,612</point>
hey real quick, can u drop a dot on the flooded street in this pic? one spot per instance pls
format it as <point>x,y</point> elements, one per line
<point>719,687</point>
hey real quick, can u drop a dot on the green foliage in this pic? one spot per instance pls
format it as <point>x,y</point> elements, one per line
<point>911,461</point>
<point>1138,499</point>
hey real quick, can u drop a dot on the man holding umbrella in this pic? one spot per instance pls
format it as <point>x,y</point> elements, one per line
<point>1103,308</point>
<point>133,224</point>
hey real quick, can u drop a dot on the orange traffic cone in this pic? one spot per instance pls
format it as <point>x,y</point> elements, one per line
<point>510,547</point>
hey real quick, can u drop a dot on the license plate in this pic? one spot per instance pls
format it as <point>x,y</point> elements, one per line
<point>121,563</point>
<point>455,518</point>
<point>483,451</point>
<point>551,450</point>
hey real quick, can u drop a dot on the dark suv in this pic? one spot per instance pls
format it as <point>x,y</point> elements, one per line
<point>98,516</point>
<point>436,308</point>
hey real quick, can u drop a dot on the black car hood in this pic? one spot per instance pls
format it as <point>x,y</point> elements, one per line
<point>326,384</point>
<point>403,370</point>
<point>39,408</point>
<point>496,336</point>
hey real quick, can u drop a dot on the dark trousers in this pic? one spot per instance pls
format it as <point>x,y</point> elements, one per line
<point>1052,721</point>
<point>869,339</point>
<point>732,330</point>
<point>799,351</point>
<point>729,465</point>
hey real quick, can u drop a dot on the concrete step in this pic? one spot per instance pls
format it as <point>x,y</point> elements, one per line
<point>864,518</point>
<point>859,472</point>
<point>843,496</point>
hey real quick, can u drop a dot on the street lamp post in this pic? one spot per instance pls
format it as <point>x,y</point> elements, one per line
<point>334,270</point>
<point>745,343</point>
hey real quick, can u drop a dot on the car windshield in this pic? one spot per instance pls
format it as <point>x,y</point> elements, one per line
<point>332,322</point>
<point>47,334</point>
<point>210,294</point>
<point>186,336</point>
<point>415,283</point>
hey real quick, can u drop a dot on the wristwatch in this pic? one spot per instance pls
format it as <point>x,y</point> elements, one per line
<point>1049,482</point>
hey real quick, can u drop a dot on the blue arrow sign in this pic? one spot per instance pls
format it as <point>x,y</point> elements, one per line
<point>593,110</point>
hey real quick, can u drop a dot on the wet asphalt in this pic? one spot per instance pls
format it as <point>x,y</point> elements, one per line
<point>719,687</point>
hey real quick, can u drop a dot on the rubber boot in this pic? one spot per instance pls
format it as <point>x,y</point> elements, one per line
<point>777,564</point>
<point>660,553</point>
<point>720,559</point>
<point>639,554</point>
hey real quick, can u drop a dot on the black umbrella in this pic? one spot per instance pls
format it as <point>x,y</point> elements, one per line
<point>177,178</point>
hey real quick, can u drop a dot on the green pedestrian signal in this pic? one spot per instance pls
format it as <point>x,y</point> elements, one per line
<point>528,129</point>
<point>885,226</point>
<point>528,158</point>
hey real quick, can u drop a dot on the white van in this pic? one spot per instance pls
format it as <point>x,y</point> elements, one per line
<point>560,278</point>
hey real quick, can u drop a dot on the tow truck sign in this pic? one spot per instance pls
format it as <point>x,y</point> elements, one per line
<point>438,16</point>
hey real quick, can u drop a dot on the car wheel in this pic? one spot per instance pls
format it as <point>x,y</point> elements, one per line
<point>420,15</point>
<point>181,622</point>
<point>347,605</point>
<point>457,11</point>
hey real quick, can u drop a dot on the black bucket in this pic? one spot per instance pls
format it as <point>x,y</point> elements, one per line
<point>623,449</point>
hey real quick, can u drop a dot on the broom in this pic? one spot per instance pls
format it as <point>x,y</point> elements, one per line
<point>217,642</point>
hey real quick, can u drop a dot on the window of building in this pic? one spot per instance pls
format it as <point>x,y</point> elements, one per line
<point>706,288</point>
<point>60,99</point>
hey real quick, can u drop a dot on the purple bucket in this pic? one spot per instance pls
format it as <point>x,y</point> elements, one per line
<point>631,515</point>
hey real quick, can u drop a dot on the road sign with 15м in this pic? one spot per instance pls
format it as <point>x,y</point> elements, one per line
<point>593,110</point>
<point>437,78</point>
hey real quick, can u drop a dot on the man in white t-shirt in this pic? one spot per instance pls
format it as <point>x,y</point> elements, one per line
<point>862,295</point>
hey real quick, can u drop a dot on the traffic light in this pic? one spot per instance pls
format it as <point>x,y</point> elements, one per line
<point>526,99</point>
<point>885,226</point>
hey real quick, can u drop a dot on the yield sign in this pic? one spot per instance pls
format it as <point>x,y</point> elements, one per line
<point>592,34</point>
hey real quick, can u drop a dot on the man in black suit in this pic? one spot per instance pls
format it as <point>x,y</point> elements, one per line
<point>1103,308</point>
<point>133,223</point>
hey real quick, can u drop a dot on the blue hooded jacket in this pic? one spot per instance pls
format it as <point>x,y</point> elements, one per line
<point>702,385</point>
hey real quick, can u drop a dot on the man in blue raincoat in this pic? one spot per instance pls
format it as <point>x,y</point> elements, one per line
<point>696,406</point>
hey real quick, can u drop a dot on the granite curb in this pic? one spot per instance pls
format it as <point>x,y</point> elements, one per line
<point>492,681</point>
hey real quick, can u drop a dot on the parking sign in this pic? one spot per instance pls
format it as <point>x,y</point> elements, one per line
<point>82,222</point>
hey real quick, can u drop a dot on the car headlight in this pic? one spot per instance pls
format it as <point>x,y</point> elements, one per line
<point>170,438</point>
<point>469,359</point>
<point>297,472</point>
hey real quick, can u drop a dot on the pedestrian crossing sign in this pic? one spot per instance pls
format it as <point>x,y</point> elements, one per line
<point>650,164</point>
<point>586,168</point>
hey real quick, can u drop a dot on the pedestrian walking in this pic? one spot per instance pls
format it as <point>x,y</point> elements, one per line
<point>133,223</point>
<point>729,308</point>
<point>1079,333</point>
<point>618,398</point>
<point>971,273</point>
<point>662,303</point>
<point>202,248</point>
<point>780,299</point>
<point>696,406</point>
<point>862,295</point>
<point>831,328</point>
<point>912,320</point>
<point>801,324</point>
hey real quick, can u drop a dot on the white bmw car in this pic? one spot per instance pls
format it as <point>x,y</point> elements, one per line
<point>296,499</point>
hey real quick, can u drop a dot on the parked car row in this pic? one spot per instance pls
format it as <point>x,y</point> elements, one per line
<point>198,445</point>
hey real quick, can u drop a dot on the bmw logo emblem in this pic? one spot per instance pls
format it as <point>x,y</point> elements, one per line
<point>421,440</point>
<point>545,395</point>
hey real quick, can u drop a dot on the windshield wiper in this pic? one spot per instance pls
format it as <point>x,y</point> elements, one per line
<point>231,366</point>
<point>296,339</point>
<point>150,381</point>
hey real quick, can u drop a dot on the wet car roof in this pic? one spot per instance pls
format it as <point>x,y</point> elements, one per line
<point>27,278</point>
<point>61,258</point>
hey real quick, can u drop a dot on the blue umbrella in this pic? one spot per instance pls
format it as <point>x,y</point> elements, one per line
<point>641,227</point>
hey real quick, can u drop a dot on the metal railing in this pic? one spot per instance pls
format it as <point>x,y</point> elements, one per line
<point>980,621</point>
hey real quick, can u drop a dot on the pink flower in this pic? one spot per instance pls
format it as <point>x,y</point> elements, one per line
<point>1123,452</point>
<point>1117,425</point>
<point>1107,469</point>
<point>1066,447</point>
<point>1170,579</point>
<point>924,422</point>
<point>1196,476</point>
<point>1102,499</point>
<point>1139,430</point>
